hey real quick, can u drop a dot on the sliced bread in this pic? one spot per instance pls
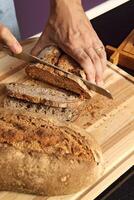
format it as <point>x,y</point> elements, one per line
<point>60,114</point>
<point>52,76</point>
<point>46,95</point>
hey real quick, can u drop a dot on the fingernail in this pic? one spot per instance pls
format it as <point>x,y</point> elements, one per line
<point>16,48</point>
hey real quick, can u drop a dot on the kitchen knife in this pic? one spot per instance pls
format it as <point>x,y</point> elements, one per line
<point>33,59</point>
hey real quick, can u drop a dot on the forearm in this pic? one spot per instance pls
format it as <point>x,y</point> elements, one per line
<point>63,5</point>
<point>55,3</point>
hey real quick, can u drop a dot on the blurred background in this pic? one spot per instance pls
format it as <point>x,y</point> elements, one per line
<point>33,14</point>
<point>112,27</point>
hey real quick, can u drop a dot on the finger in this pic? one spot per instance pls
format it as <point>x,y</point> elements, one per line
<point>85,62</point>
<point>100,50</point>
<point>103,59</point>
<point>97,65</point>
<point>7,37</point>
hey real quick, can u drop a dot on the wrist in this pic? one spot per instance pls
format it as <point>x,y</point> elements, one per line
<point>57,4</point>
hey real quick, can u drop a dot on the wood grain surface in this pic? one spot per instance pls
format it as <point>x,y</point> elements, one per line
<point>111,122</point>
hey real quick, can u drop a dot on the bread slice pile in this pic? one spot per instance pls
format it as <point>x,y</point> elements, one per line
<point>48,91</point>
<point>40,152</point>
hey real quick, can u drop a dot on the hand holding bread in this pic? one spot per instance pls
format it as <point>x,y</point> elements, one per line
<point>69,29</point>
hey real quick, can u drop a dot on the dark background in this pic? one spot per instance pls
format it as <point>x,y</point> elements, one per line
<point>32,14</point>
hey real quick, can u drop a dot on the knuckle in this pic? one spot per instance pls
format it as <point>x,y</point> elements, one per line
<point>89,48</point>
<point>81,55</point>
<point>68,41</point>
<point>69,46</point>
<point>103,54</point>
<point>95,58</point>
<point>83,59</point>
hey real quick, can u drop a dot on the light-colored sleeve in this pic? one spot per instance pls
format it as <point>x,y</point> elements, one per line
<point>8,16</point>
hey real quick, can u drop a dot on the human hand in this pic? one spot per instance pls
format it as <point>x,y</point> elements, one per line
<point>7,38</point>
<point>69,29</point>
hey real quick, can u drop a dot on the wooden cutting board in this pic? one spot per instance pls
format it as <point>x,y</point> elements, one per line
<point>111,122</point>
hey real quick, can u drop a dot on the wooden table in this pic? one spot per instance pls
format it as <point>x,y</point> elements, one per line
<point>113,129</point>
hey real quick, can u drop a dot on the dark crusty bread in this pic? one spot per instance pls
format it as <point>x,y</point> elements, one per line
<point>67,63</point>
<point>61,114</point>
<point>52,76</point>
<point>44,157</point>
<point>34,93</point>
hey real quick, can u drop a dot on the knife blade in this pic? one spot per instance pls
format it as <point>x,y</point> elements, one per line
<point>33,59</point>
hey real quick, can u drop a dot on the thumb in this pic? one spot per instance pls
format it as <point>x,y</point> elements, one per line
<point>7,37</point>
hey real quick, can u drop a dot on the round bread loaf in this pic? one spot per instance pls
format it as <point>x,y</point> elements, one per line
<point>45,157</point>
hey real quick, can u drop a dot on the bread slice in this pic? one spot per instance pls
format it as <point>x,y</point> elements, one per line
<point>45,157</point>
<point>35,93</point>
<point>67,63</point>
<point>60,114</point>
<point>52,76</point>
<point>51,54</point>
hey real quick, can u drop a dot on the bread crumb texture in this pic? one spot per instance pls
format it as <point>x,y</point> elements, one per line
<point>57,78</point>
<point>39,135</point>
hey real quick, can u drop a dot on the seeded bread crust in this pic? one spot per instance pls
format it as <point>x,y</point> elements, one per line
<point>45,157</point>
<point>53,97</point>
<point>66,62</point>
<point>52,76</point>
